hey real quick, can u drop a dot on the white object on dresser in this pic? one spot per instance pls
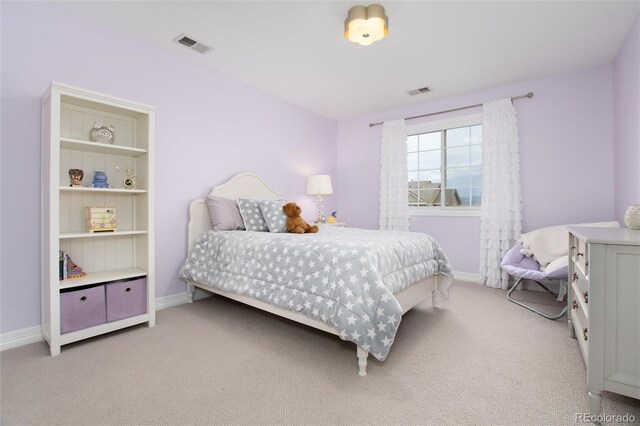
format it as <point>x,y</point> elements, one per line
<point>68,115</point>
<point>604,305</point>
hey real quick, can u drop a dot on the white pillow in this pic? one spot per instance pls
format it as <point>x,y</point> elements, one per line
<point>548,244</point>
<point>556,264</point>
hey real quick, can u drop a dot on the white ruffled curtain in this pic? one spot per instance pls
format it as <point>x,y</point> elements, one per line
<point>394,209</point>
<point>500,211</point>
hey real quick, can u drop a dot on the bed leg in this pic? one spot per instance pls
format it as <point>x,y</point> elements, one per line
<point>434,298</point>
<point>362,361</point>
<point>190,289</point>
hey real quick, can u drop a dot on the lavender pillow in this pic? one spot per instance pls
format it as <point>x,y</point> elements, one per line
<point>224,214</point>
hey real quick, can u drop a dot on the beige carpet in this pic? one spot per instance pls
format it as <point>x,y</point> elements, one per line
<point>477,359</point>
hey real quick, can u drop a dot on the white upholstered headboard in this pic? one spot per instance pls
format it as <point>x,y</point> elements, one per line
<point>242,185</point>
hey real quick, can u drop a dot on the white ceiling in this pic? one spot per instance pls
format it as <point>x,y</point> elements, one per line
<point>297,51</point>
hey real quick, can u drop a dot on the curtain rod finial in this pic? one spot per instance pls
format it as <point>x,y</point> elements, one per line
<point>530,95</point>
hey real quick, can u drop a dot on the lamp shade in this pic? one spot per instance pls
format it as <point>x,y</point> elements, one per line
<point>319,185</point>
<point>365,25</point>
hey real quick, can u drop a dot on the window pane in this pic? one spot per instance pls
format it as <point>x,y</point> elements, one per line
<point>458,137</point>
<point>430,197</point>
<point>458,156</point>
<point>429,160</point>
<point>429,177</point>
<point>412,161</point>
<point>476,176</point>
<point>413,194</point>
<point>412,143</point>
<point>458,196</point>
<point>458,177</point>
<point>476,134</point>
<point>476,155</point>
<point>430,141</point>
<point>450,178</point>
<point>476,196</point>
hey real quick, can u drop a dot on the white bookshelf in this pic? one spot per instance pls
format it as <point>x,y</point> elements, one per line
<point>68,114</point>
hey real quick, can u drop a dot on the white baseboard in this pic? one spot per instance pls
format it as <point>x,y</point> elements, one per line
<point>171,300</point>
<point>466,276</point>
<point>13,339</point>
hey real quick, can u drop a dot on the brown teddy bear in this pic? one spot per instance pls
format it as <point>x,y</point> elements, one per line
<point>295,223</point>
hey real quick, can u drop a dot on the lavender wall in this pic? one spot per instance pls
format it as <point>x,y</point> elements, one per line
<point>208,128</point>
<point>626,123</point>
<point>566,160</point>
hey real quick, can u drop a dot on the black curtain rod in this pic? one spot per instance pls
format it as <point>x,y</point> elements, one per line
<point>528,95</point>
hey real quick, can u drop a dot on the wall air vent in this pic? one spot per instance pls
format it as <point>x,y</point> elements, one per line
<point>192,44</point>
<point>419,91</point>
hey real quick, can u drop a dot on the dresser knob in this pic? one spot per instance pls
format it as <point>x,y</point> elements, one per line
<point>575,276</point>
<point>83,298</point>
<point>579,254</point>
<point>586,297</point>
<point>128,289</point>
<point>585,334</point>
<point>574,305</point>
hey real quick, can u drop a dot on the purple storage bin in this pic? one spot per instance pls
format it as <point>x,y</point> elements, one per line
<point>126,299</point>
<point>82,309</point>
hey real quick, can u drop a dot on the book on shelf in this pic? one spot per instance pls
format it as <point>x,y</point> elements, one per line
<point>68,269</point>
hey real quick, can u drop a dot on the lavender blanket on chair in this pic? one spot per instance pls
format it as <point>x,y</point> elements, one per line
<point>521,266</point>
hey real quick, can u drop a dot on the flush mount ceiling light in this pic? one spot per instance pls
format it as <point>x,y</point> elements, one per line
<point>365,25</point>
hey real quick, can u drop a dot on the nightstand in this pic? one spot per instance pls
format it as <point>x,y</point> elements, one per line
<point>334,224</point>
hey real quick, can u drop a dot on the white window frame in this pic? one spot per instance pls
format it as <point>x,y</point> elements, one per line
<point>438,126</point>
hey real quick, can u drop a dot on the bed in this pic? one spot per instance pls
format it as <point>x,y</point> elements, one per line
<point>343,281</point>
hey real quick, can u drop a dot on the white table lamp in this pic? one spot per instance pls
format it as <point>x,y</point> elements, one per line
<point>319,185</point>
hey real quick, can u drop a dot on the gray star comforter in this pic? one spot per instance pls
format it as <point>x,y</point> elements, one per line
<point>344,277</point>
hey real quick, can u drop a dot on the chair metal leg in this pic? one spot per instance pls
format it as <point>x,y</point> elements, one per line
<point>517,283</point>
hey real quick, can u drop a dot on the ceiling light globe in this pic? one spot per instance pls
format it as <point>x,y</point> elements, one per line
<point>366,25</point>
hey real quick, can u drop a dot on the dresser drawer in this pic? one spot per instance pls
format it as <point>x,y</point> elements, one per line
<point>581,327</point>
<point>580,256</point>
<point>580,289</point>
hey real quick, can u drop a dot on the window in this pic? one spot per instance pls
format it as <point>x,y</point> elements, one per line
<point>444,161</point>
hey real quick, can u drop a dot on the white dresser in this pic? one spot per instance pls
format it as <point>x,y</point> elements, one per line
<point>604,308</point>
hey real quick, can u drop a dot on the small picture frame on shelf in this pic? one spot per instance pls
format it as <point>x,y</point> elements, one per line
<point>129,179</point>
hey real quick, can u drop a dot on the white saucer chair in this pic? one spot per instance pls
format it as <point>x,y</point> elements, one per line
<point>542,256</point>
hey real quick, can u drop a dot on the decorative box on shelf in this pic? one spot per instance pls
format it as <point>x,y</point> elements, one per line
<point>101,219</point>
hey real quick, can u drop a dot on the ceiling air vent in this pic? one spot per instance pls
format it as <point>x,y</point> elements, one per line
<point>185,40</point>
<point>419,91</point>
